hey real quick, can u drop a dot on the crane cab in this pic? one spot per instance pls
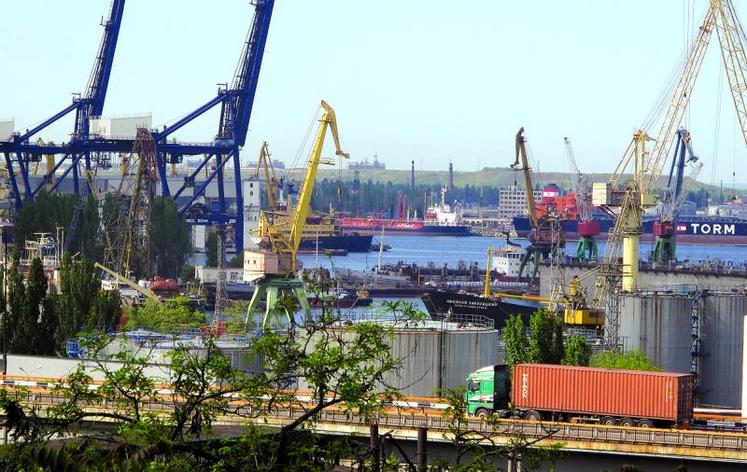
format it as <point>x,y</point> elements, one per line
<point>258,264</point>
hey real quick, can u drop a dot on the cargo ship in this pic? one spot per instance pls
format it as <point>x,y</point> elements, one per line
<point>440,220</point>
<point>690,229</point>
<point>322,233</point>
<point>442,303</point>
<point>504,262</point>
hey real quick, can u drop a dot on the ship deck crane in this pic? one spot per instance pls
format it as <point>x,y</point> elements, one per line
<point>646,167</point>
<point>665,228</point>
<point>274,265</point>
<point>546,237</point>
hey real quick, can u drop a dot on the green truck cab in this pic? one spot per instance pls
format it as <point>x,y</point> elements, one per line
<point>488,390</point>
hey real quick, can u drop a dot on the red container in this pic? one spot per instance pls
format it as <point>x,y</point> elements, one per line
<point>603,392</point>
<point>663,228</point>
<point>588,228</point>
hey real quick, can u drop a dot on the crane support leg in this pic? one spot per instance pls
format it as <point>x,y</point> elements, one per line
<point>12,178</point>
<point>25,177</point>
<point>630,262</point>
<point>587,249</point>
<point>161,161</point>
<point>76,181</point>
<point>239,225</point>
<point>220,161</point>
<point>270,291</point>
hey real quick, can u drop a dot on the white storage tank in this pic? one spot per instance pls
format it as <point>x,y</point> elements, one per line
<point>437,355</point>
<point>7,128</point>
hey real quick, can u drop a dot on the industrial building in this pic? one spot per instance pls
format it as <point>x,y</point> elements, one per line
<point>512,201</point>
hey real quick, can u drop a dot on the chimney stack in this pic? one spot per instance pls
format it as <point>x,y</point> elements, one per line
<point>412,174</point>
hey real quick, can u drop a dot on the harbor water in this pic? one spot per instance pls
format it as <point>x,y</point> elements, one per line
<point>442,250</point>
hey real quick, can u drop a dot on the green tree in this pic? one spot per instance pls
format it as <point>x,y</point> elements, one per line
<point>577,351</point>
<point>15,306</point>
<point>342,366</point>
<point>31,309</point>
<point>516,342</point>
<point>167,316</point>
<point>187,273</point>
<point>170,237</point>
<point>81,304</point>
<point>558,353</point>
<point>31,323</point>
<point>211,249</point>
<point>541,338</point>
<point>90,231</point>
<point>44,215</point>
<point>632,360</point>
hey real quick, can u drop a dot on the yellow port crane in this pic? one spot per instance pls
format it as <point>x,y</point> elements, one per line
<point>274,264</point>
<point>633,196</point>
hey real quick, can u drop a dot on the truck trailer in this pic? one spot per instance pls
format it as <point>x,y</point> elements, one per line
<point>582,394</point>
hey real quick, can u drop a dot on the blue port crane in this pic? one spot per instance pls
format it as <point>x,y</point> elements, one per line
<point>21,151</point>
<point>236,109</point>
<point>236,106</point>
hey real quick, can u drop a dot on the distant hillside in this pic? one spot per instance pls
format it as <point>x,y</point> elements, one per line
<point>493,176</point>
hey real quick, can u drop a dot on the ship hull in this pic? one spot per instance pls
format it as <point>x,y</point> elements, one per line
<point>690,230</point>
<point>349,242</point>
<point>410,227</point>
<point>440,303</point>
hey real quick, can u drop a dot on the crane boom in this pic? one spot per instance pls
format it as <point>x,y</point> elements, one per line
<point>237,109</point>
<point>521,157</point>
<point>303,208</point>
<point>653,167</point>
<point>92,103</point>
<point>730,35</point>
<point>271,182</point>
<point>120,278</point>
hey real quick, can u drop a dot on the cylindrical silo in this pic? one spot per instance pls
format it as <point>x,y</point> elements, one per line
<point>722,335</point>
<point>658,324</point>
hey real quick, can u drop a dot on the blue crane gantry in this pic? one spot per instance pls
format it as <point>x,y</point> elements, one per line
<point>236,107</point>
<point>22,151</point>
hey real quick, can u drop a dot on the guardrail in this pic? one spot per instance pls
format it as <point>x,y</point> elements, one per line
<point>731,446</point>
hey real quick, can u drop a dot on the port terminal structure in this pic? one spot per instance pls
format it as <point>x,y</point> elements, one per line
<point>86,152</point>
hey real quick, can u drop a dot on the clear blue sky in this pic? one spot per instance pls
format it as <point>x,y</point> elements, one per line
<point>432,81</point>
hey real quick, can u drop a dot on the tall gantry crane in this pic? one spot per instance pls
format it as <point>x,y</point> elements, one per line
<point>236,105</point>
<point>21,150</point>
<point>646,167</point>
<point>587,227</point>
<point>665,228</point>
<point>546,237</point>
<point>274,265</point>
<point>236,108</point>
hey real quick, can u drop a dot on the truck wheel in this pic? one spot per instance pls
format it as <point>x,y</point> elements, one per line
<point>608,421</point>
<point>482,413</point>
<point>644,423</point>
<point>627,422</point>
<point>533,415</point>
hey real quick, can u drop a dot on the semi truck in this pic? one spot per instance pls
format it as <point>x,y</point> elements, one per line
<point>582,394</point>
